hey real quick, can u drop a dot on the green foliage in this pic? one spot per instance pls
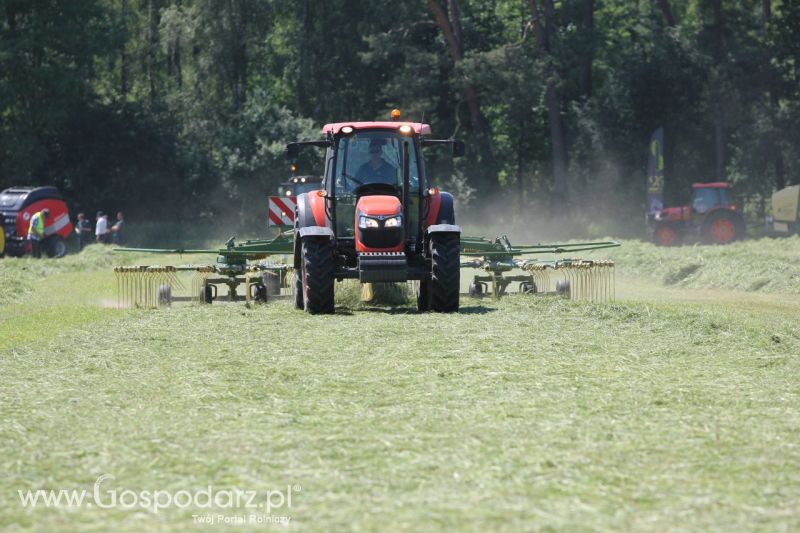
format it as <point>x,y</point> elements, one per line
<point>177,110</point>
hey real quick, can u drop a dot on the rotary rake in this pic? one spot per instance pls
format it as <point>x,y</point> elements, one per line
<point>582,279</point>
<point>502,264</point>
<point>153,286</point>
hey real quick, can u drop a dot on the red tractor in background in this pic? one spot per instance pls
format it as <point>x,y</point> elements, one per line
<point>17,206</point>
<point>712,218</point>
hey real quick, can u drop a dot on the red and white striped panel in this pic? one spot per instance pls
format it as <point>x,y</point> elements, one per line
<point>281,210</point>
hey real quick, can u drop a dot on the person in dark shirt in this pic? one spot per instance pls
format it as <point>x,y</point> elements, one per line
<point>376,170</point>
<point>83,228</point>
<point>117,234</point>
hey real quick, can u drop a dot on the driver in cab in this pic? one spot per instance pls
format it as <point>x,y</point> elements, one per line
<point>376,170</point>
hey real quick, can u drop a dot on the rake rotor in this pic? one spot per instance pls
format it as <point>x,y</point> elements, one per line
<point>582,279</point>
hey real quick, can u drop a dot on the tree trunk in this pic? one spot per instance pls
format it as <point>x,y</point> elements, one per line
<point>152,46</point>
<point>666,12</point>
<point>545,30</point>
<point>557,141</point>
<point>774,98</point>
<point>176,53</point>
<point>587,22</point>
<point>123,60</point>
<point>450,25</point>
<point>238,53</point>
<point>716,90</point>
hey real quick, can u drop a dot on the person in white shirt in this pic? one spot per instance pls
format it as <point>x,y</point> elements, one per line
<point>101,229</point>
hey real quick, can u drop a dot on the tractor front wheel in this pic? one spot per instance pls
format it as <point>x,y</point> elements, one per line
<point>318,275</point>
<point>445,272</point>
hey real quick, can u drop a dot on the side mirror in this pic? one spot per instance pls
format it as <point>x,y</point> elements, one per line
<point>458,148</point>
<point>292,151</point>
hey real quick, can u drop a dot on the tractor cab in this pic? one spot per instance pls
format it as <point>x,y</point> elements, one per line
<point>709,196</point>
<point>369,187</point>
<point>375,218</point>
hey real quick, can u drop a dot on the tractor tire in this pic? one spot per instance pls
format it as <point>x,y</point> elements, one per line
<point>424,296</point>
<point>206,295</point>
<point>298,291</point>
<point>272,283</point>
<point>445,272</point>
<point>527,287</point>
<point>563,287</point>
<point>164,295</point>
<point>318,276</point>
<point>476,290</point>
<point>54,246</point>
<point>723,227</point>
<point>666,234</point>
<point>261,294</point>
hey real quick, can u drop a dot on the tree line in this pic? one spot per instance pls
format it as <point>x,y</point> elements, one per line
<point>180,109</point>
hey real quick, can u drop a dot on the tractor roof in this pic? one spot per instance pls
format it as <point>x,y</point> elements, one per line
<point>419,128</point>
<point>713,185</point>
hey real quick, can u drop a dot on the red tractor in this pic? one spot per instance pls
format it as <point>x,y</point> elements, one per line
<point>375,217</point>
<point>17,206</point>
<point>712,218</point>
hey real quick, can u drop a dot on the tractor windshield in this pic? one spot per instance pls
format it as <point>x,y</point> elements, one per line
<point>707,198</point>
<point>370,157</point>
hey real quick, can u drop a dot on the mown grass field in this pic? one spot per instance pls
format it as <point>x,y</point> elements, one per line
<point>675,407</point>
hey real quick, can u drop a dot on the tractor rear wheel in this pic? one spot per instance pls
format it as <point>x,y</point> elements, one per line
<point>318,275</point>
<point>445,272</point>
<point>723,227</point>
<point>666,235</point>
<point>476,290</point>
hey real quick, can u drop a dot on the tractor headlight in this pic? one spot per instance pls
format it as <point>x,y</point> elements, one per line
<point>366,222</point>
<point>393,222</point>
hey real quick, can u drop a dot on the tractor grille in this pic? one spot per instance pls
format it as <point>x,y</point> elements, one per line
<point>382,266</point>
<point>380,237</point>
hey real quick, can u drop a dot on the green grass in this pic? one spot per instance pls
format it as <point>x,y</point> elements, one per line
<point>764,265</point>
<point>668,409</point>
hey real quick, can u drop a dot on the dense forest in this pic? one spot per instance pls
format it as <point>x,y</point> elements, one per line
<point>180,109</point>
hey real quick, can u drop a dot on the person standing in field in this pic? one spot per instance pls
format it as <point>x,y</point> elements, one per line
<point>101,229</point>
<point>83,228</point>
<point>117,235</point>
<point>36,231</point>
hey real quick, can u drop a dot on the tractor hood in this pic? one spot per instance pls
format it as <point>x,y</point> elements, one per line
<point>379,224</point>
<point>379,205</point>
<point>672,213</point>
